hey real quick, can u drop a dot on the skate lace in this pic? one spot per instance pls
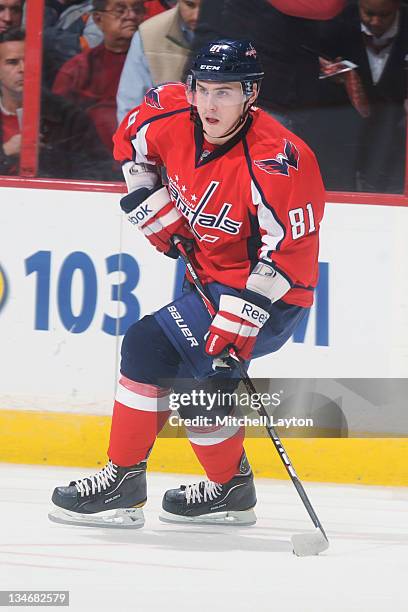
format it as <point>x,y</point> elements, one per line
<point>206,490</point>
<point>98,482</point>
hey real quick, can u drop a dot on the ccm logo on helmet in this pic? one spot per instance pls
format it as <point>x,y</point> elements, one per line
<point>205,67</point>
<point>254,313</point>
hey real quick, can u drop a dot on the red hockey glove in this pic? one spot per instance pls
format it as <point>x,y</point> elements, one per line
<point>156,216</point>
<point>236,324</point>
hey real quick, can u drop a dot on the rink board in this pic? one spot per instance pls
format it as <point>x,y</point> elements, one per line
<point>74,276</point>
<point>81,440</point>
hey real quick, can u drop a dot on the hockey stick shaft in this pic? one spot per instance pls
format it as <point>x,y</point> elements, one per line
<point>251,390</point>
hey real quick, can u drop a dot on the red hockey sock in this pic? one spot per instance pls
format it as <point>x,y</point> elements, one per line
<point>139,413</point>
<point>221,460</point>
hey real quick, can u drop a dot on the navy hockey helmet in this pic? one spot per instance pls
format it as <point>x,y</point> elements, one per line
<point>227,60</point>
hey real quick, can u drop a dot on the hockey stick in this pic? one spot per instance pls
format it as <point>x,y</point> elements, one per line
<point>304,544</point>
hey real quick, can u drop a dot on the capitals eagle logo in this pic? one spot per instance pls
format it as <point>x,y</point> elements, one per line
<point>152,97</point>
<point>282,162</point>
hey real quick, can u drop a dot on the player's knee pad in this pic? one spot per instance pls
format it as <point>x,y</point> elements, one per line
<point>147,355</point>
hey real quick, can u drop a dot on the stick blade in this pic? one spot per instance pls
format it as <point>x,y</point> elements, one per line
<point>309,544</point>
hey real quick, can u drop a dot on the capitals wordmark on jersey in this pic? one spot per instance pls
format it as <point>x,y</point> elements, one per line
<point>194,211</point>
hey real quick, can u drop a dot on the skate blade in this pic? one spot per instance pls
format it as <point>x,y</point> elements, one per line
<point>239,518</point>
<point>308,544</point>
<point>120,518</point>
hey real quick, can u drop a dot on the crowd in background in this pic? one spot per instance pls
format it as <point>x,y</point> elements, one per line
<point>336,74</point>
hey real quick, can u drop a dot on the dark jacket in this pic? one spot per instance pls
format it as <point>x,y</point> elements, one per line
<point>366,154</point>
<point>285,45</point>
<point>342,37</point>
<point>70,147</point>
<point>65,34</point>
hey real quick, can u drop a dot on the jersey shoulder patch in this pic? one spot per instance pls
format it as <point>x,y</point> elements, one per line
<point>283,161</point>
<point>276,151</point>
<point>166,97</point>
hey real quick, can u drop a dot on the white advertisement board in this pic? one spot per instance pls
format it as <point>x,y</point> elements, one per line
<point>74,275</point>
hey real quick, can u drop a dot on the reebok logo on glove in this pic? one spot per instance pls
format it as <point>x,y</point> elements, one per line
<point>139,214</point>
<point>236,324</point>
<point>250,313</point>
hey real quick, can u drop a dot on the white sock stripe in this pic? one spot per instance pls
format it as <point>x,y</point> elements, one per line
<point>141,402</point>
<point>143,388</point>
<point>204,438</point>
<point>210,429</point>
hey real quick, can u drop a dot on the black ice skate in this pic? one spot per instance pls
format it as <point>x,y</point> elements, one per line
<point>208,502</point>
<point>113,497</point>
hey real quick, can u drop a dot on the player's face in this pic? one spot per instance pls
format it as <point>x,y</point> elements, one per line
<point>119,20</point>
<point>189,10</point>
<point>219,105</point>
<point>378,15</point>
<point>11,13</point>
<point>12,67</point>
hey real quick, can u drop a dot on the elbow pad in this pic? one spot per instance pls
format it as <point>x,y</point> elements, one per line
<point>267,284</point>
<point>138,176</point>
<point>142,181</point>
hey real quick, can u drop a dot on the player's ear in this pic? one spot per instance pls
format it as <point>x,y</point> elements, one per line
<point>254,94</point>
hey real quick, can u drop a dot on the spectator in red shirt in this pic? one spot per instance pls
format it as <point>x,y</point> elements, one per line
<point>154,7</point>
<point>11,93</point>
<point>69,146</point>
<point>91,78</point>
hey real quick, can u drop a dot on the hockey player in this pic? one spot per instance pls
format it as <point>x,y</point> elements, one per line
<point>247,195</point>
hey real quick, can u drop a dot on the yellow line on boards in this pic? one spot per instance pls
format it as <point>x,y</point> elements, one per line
<point>68,439</point>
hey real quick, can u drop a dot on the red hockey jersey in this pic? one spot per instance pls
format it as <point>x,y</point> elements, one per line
<point>259,196</point>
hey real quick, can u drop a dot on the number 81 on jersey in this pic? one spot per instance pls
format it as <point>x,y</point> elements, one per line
<point>297,221</point>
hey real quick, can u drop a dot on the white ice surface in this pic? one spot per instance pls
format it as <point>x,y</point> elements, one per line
<point>175,568</point>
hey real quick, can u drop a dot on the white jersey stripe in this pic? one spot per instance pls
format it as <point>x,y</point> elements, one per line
<point>140,146</point>
<point>267,221</point>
